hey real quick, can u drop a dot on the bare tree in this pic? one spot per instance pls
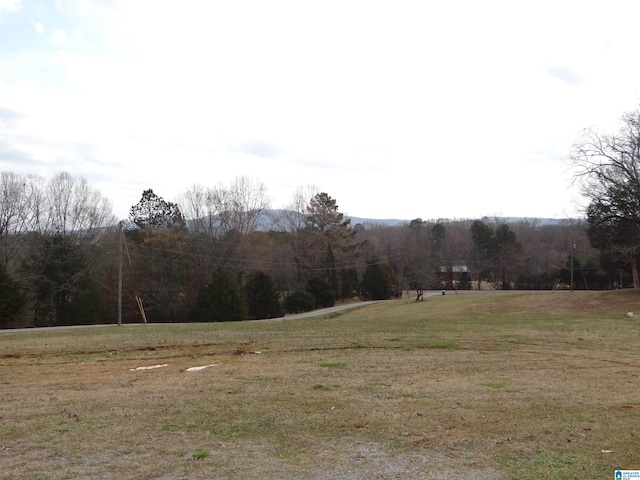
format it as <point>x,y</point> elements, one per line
<point>220,210</point>
<point>63,205</point>
<point>220,218</point>
<point>36,210</point>
<point>291,220</point>
<point>243,204</point>
<point>419,265</point>
<point>53,229</point>
<point>77,209</point>
<point>200,207</point>
<point>608,170</point>
<point>291,217</point>
<point>11,202</point>
<point>13,213</point>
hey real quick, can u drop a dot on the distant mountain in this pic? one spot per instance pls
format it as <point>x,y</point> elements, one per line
<point>392,222</point>
<point>370,222</point>
<point>538,221</point>
<point>266,221</point>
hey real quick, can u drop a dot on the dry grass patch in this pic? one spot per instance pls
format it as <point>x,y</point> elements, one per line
<point>472,386</point>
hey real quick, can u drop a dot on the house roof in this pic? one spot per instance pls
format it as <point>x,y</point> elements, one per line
<point>455,268</point>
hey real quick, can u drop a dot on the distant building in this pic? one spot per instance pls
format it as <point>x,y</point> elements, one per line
<point>455,276</point>
<point>455,268</point>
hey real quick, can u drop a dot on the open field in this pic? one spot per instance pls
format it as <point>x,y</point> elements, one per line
<point>497,386</point>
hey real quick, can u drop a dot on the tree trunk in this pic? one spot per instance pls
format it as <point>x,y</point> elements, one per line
<point>634,271</point>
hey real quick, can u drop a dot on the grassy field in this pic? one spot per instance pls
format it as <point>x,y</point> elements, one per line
<point>495,386</point>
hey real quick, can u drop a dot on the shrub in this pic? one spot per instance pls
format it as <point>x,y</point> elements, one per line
<point>299,301</point>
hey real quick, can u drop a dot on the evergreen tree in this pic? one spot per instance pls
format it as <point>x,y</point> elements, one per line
<point>161,234</point>
<point>438,237</point>
<point>329,235</point>
<point>220,300</point>
<point>321,291</point>
<point>263,299</point>
<point>507,254</point>
<point>482,236</point>
<point>153,211</point>
<point>497,252</point>
<point>299,301</point>
<point>349,283</point>
<point>378,282</point>
<point>65,294</point>
<point>11,297</point>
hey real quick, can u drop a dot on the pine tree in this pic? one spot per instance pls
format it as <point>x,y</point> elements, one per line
<point>220,300</point>
<point>263,299</point>
<point>153,211</point>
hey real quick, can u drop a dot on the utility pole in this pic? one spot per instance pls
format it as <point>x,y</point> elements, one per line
<point>120,238</point>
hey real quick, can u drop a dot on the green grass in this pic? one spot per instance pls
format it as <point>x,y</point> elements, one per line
<point>555,466</point>
<point>336,365</point>
<point>493,384</point>
<point>511,385</point>
<point>446,345</point>
<point>201,454</point>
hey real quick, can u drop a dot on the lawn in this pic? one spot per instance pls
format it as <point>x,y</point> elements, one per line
<point>474,386</point>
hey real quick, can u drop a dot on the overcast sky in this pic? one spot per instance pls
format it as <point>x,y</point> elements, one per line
<point>397,109</point>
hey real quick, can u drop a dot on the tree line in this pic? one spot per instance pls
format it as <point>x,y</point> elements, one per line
<point>222,253</point>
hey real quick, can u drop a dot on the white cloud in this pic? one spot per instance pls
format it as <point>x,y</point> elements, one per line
<point>406,109</point>
<point>58,37</point>
<point>565,74</point>
<point>10,5</point>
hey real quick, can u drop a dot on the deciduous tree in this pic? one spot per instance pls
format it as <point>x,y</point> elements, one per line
<point>67,221</point>
<point>222,219</point>
<point>608,169</point>
<point>419,263</point>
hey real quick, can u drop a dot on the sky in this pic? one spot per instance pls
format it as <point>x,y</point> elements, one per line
<point>396,109</point>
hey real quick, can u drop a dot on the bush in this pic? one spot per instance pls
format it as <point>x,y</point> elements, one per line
<point>262,296</point>
<point>299,301</point>
<point>220,300</point>
<point>321,291</point>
